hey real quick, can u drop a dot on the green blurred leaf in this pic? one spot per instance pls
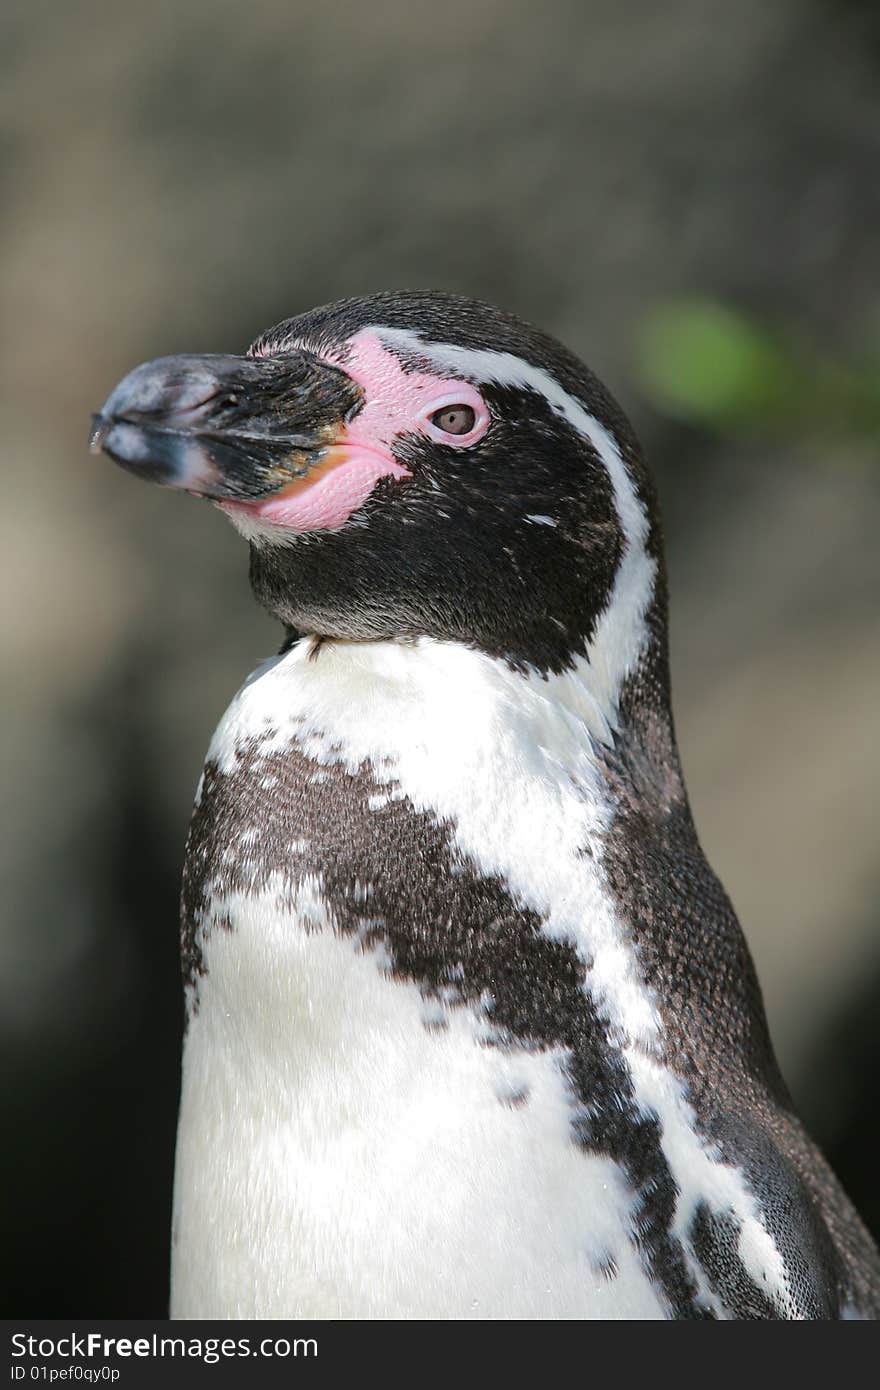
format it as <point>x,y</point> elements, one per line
<point>704,362</point>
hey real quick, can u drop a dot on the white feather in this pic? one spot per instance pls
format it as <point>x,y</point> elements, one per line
<point>339,1159</point>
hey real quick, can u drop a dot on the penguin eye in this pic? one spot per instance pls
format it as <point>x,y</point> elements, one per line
<point>454,419</point>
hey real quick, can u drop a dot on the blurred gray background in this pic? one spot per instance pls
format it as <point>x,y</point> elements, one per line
<point>688,195</point>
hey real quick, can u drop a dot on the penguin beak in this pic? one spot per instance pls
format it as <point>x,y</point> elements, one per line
<point>229,428</point>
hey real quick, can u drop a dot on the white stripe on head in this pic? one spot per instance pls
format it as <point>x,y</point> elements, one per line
<point>621,632</point>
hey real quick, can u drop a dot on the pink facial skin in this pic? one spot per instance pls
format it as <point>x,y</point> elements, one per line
<point>396,402</point>
<point>325,499</point>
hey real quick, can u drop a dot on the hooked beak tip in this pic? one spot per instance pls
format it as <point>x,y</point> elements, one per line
<point>101,425</point>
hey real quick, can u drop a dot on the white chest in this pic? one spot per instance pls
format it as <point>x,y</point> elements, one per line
<point>346,1151</point>
<point>348,1146</point>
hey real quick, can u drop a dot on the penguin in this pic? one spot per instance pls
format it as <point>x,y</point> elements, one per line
<point>473,1031</point>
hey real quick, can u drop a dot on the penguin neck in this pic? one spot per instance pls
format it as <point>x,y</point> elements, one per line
<point>609,705</point>
<point>454,718</point>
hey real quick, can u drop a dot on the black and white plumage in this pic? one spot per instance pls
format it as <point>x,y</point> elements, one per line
<point>474,1031</point>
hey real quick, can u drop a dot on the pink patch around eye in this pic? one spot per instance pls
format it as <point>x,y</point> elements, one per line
<point>396,402</point>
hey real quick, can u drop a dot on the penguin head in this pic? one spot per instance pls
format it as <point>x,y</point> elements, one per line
<point>413,464</point>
